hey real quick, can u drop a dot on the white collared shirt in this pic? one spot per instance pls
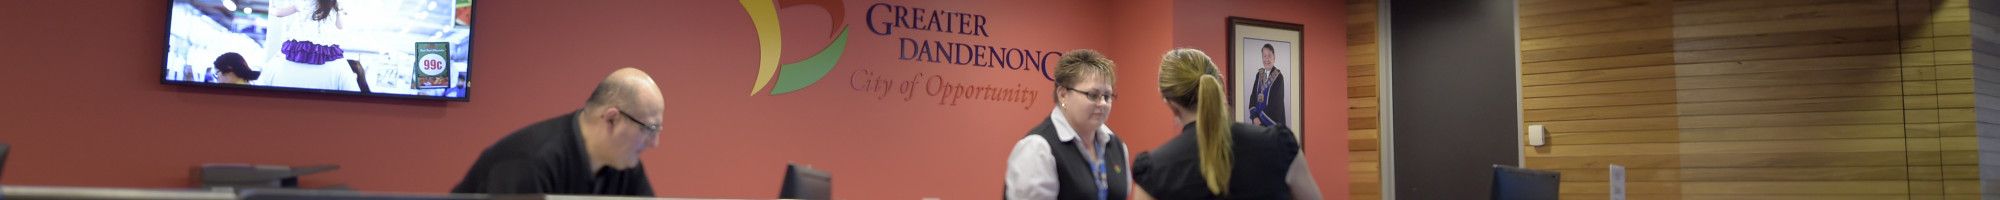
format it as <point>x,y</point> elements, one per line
<point>1031,168</point>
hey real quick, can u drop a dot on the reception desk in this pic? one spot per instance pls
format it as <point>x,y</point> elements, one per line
<point>81,193</point>
<point>12,192</point>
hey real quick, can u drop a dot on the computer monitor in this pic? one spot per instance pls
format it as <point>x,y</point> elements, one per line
<point>1514,183</point>
<point>802,182</point>
<point>3,157</point>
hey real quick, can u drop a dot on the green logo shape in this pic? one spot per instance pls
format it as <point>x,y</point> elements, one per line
<point>796,75</point>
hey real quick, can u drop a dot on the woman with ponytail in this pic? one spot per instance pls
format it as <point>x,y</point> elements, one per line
<point>1214,157</point>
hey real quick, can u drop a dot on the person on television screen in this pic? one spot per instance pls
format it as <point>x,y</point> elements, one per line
<point>360,81</point>
<point>591,151</point>
<point>305,44</point>
<point>234,70</point>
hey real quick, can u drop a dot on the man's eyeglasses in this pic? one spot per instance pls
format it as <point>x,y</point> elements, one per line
<point>1094,96</point>
<point>643,126</point>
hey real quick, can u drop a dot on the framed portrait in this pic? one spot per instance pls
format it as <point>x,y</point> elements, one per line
<point>1263,68</point>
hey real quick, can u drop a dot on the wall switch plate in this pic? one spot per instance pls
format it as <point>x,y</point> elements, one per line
<point>1537,136</point>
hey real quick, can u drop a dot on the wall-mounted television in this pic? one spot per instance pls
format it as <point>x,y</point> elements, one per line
<point>396,48</point>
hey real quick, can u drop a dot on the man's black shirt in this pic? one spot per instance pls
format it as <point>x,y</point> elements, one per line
<point>548,157</point>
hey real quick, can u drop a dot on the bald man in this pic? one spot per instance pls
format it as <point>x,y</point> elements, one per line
<point>592,151</point>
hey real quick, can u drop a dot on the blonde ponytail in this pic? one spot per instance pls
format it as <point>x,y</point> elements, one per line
<point>1188,78</point>
<point>1212,127</point>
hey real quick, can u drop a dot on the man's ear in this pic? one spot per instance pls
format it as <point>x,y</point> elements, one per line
<point>607,114</point>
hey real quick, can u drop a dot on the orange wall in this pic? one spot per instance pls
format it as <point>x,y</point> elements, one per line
<point>87,110</point>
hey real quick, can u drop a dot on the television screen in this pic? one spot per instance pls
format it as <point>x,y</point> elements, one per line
<point>400,48</point>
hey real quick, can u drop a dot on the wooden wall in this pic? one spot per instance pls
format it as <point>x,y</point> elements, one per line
<point>1938,78</point>
<point>1753,99</point>
<point>1600,76</point>
<point>1364,155</point>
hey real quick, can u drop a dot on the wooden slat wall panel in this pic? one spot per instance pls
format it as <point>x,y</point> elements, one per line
<point>1761,99</point>
<point>1602,81</point>
<point>1942,49</point>
<point>1363,107</point>
<point>1925,167</point>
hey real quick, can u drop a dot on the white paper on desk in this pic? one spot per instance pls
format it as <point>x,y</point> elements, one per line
<point>1617,182</point>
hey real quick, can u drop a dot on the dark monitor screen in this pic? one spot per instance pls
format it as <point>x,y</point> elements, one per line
<point>1512,183</point>
<point>805,183</point>
<point>4,148</point>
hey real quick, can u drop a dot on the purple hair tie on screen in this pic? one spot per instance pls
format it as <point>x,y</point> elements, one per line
<point>310,53</point>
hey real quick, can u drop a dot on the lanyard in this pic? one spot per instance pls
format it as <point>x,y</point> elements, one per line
<point>1097,168</point>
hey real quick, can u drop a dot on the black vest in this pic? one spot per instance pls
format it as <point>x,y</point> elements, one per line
<point>1073,169</point>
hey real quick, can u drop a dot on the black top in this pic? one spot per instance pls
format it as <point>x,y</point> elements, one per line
<point>548,158</point>
<point>1074,173</point>
<point>1262,159</point>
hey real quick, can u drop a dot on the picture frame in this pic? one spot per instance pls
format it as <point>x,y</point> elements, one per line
<point>1264,72</point>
